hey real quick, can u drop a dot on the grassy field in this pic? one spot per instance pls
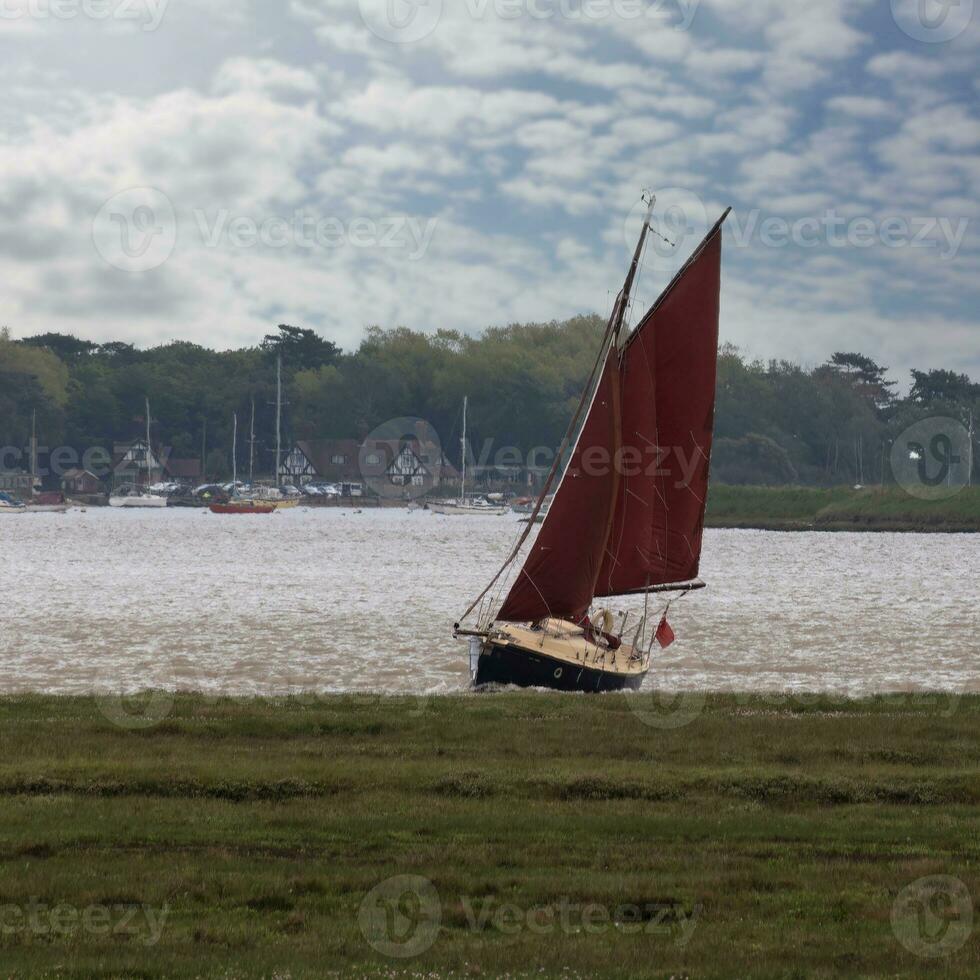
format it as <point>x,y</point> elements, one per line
<point>528,835</point>
<point>841,509</point>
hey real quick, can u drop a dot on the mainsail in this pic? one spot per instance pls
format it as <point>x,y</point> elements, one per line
<point>668,373</point>
<point>629,512</point>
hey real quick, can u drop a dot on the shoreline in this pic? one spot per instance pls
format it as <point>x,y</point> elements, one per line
<point>842,509</point>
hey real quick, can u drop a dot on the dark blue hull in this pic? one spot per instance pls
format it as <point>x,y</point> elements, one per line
<point>526,668</point>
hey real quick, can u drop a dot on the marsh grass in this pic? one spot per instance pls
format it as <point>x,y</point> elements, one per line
<point>841,509</point>
<point>768,837</point>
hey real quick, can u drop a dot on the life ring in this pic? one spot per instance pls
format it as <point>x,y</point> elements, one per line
<point>558,673</point>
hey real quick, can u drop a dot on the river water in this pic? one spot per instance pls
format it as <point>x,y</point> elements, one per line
<point>335,600</point>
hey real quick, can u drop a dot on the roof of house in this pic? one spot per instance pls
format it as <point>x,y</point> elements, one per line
<point>369,459</point>
<point>187,469</point>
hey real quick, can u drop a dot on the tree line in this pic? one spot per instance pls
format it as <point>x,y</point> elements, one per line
<point>777,422</point>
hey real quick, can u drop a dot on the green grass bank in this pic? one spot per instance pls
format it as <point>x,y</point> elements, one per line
<point>841,509</point>
<point>620,836</point>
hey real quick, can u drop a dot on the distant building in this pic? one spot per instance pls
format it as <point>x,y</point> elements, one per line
<point>17,483</point>
<point>81,483</point>
<point>135,462</point>
<point>380,463</point>
<point>186,471</point>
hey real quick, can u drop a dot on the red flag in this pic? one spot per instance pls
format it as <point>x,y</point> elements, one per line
<point>665,635</point>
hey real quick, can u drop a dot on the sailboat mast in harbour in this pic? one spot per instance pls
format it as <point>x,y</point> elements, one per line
<point>149,453</point>
<point>624,529</point>
<point>278,415</point>
<point>234,450</point>
<point>251,448</point>
<point>462,441</point>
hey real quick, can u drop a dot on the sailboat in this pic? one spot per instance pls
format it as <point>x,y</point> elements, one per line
<point>631,527</point>
<point>42,503</point>
<point>466,506</point>
<point>135,495</point>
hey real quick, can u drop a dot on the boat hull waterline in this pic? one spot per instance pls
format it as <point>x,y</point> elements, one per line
<point>556,655</point>
<point>138,501</point>
<point>252,508</point>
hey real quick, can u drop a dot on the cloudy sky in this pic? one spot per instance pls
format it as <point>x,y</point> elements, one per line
<point>206,169</point>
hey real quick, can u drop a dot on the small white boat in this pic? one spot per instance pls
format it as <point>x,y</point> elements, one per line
<point>8,505</point>
<point>135,497</point>
<point>469,507</point>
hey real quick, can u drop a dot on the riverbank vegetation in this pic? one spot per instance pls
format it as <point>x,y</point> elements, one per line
<point>841,509</point>
<point>543,835</point>
<point>777,422</point>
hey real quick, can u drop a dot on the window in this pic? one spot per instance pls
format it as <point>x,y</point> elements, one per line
<point>372,459</point>
<point>418,481</point>
<point>339,459</point>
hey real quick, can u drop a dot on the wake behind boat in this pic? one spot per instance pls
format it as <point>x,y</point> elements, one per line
<point>632,526</point>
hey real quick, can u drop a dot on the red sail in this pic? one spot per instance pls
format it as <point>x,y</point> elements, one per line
<point>560,572</point>
<point>668,373</point>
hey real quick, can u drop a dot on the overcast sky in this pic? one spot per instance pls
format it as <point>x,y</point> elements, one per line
<point>206,169</point>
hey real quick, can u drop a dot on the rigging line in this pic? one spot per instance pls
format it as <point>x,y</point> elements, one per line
<point>590,389</point>
<point>695,255</point>
<point>632,298</point>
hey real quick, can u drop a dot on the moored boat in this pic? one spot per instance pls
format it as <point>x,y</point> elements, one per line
<point>627,517</point>
<point>9,505</point>
<point>136,497</point>
<point>243,507</point>
<point>465,506</point>
<point>47,503</point>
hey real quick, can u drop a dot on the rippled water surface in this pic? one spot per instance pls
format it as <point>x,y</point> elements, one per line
<point>330,600</point>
